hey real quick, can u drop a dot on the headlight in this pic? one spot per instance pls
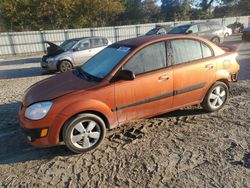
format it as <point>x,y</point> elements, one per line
<point>38,110</point>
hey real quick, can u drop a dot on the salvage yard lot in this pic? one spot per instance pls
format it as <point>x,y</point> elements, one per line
<point>185,148</point>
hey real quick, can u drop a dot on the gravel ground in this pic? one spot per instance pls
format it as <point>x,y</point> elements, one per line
<point>185,148</point>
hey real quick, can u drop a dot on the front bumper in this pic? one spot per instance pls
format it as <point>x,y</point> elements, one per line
<point>33,134</point>
<point>33,129</point>
<point>49,65</point>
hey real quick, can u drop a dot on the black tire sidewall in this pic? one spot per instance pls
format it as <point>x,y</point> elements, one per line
<point>206,104</point>
<point>70,125</point>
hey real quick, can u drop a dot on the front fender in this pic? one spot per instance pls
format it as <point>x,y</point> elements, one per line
<point>66,59</point>
<point>90,105</point>
<point>83,106</point>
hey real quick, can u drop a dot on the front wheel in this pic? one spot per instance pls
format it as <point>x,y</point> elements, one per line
<point>65,66</point>
<point>216,40</point>
<point>84,132</point>
<point>216,97</point>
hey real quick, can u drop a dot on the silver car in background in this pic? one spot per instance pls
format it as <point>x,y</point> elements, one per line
<point>72,53</point>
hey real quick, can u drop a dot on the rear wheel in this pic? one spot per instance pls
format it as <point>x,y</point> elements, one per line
<point>84,132</point>
<point>215,40</point>
<point>226,35</point>
<point>65,66</point>
<point>216,97</point>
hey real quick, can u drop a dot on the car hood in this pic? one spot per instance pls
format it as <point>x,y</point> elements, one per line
<point>51,44</point>
<point>52,50</point>
<point>54,87</point>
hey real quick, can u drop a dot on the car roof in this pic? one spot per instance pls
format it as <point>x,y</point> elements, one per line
<point>139,41</point>
<point>81,38</point>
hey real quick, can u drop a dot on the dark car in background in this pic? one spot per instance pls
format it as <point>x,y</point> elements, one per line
<point>159,30</point>
<point>209,30</point>
<point>236,27</point>
<point>246,34</point>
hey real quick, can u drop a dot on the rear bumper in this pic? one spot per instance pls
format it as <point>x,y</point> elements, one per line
<point>234,77</point>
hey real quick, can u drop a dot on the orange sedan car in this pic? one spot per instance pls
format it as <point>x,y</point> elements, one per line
<point>131,79</point>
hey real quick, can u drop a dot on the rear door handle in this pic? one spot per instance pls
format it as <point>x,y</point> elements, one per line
<point>209,66</point>
<point>163,77</point>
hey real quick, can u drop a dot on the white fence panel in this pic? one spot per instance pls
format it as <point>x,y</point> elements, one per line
<point>33,41</point>
<point>77,33</point>
<point>109,32</point>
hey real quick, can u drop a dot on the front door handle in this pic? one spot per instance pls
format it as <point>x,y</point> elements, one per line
<point>209,66</point>
<point>163,78</point>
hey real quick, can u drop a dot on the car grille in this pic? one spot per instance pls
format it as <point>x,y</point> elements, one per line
<point>44,64</point>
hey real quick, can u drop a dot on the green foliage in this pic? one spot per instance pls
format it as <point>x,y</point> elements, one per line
<point>21,15</point>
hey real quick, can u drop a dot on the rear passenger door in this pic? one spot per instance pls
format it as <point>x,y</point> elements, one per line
<point>205,31</point>
<point>193,68</point>
<point>97,44</point>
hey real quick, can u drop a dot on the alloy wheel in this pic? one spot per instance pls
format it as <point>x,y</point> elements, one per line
<point>217,97</point>
<point>85,134</point>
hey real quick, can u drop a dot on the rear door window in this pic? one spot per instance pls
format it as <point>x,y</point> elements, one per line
<point>150,58</point>
<point>97,42</point>
<point>215,26</point>
<point>206,51</point>
<point>185,50</point>
<point>203,28</point>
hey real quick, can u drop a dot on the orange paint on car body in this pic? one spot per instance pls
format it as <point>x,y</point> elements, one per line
<point>118,101</point>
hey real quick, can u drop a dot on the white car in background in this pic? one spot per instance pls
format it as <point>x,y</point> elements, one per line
<point>227,31</point>
<point>72,53</point>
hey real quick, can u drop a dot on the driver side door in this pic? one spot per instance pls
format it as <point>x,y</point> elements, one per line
<point>151,92</point>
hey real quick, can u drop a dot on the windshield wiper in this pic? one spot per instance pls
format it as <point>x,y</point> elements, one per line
<point>87,76</point>
<point>80,74</point>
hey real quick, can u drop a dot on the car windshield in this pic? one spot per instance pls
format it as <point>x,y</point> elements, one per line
<point>105,61</point>
<point>68,44</point>
<point>179,29</point>
<point>153,31</point>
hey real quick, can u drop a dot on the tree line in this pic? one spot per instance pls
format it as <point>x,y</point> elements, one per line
<point>23,15</point>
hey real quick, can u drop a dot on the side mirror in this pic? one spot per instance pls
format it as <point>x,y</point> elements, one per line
<point>125,75</point>
<point>189,31</point>
<point>76,49</point>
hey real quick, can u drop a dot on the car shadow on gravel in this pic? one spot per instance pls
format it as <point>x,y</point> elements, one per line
<point>21,61</point>
<point>21,73</point>
<point>184,112</point>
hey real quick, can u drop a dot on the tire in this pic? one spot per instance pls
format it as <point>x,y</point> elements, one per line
<point>226,35</point>
<point>215,40</point>
<point>65,66</point>
<point>84,132</point>
<point>216,97</point>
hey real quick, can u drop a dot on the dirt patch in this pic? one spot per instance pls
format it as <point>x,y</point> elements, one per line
<point>185,148</point>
